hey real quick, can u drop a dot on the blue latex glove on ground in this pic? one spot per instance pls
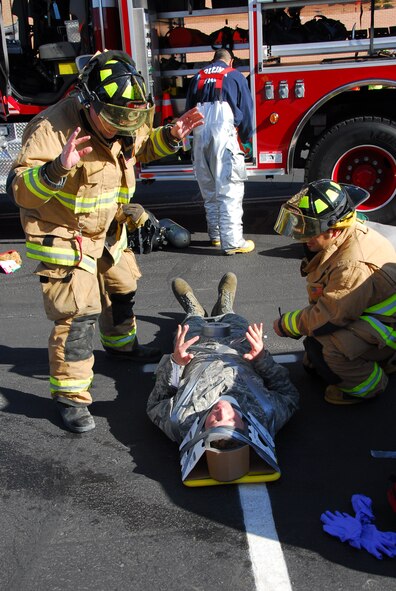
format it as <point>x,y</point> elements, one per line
<point>378,543</point>
<point>362,506</point>
<point>342,526</point>
<point>359,531</point>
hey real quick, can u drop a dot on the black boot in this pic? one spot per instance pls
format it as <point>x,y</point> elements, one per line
<point>76,418</point>
<point>309,366</point>
<point>139,354</point>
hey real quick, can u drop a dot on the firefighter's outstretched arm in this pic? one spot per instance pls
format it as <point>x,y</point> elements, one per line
<point>287,325</point>
<point>167,139</point>
<point>34,180</point>
<point>71,153</point>
<point>186,123</point>
<point>57,170</point>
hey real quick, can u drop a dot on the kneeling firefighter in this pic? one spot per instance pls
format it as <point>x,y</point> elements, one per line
<point>349,323</point>
<point>74,208</point>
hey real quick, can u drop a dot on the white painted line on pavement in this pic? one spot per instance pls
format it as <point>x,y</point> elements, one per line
<point>268,562</point>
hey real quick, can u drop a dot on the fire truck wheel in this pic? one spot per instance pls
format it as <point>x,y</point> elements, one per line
<point>360,151</point>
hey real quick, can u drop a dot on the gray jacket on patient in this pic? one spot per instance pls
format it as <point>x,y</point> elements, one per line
<point>261,387</point>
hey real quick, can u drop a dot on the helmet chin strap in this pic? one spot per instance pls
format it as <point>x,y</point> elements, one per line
<point>83,99</point>
<point>346,222</point>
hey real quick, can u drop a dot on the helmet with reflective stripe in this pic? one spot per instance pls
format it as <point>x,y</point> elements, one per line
<point>115,80</point>
<point>325,200</point>
<point>117,92</point>
<point>318,206</point>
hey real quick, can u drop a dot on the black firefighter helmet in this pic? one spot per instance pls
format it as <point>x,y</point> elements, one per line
<point>111,84</point>
<point>320,205</point>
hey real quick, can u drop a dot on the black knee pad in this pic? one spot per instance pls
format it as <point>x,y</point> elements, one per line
<point>314,351</point>
<point>122,306</point>
<point>79,342</point>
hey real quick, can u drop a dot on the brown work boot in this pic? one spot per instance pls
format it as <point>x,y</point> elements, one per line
<point>334,395</point>
<point>226,290</point>
<point>186,298</point>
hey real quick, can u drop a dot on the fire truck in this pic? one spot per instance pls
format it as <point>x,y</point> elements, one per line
<point>322,76</point>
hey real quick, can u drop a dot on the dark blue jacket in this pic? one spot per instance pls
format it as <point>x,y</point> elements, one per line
<point>235,91</point>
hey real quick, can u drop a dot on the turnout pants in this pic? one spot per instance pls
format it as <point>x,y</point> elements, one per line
<point>219,166</point>
<point>353,358</point>
<point>74,299</point>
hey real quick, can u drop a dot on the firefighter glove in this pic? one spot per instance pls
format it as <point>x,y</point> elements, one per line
<point>134,215</point>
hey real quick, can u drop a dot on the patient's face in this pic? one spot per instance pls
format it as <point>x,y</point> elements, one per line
<point>223,414</point>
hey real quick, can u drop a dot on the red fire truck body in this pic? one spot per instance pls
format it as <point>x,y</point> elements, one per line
<point>323,108</point>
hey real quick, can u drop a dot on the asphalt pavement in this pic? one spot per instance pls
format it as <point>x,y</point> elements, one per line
<point>107,510</point>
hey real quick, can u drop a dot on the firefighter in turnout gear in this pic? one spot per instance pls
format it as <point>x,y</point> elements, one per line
<point>223,96</point>
<point>73,181</point>
<point>350,322</point>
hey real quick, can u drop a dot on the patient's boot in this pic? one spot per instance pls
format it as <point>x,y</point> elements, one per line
<point>186,298</point>
<point>226,290</point>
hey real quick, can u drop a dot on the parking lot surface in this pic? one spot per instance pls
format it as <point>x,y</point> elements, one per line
<point>107,510</point>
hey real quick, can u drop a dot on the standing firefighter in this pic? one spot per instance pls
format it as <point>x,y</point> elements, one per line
<point>73,181</point>
<point>223,96</point>
<point>350,322</point>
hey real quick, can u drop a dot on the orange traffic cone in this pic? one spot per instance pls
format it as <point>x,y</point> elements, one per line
<point>167,110</point>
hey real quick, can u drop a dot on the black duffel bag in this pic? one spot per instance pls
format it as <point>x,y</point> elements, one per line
<point>282,27</point>
<point>322,28</point>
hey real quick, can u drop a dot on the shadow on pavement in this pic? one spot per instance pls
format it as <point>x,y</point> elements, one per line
<point>324,454</point>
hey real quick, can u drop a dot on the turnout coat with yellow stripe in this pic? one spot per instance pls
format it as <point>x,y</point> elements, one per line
<point>355,278</point>
<point>94,191</point>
